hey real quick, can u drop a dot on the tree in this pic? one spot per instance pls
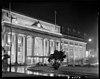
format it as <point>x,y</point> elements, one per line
<point>58,57</point>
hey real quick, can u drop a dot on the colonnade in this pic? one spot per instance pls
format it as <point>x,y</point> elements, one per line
<point>75,52</point>
<point>29,49</point>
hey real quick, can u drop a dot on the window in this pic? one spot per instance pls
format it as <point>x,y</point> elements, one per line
<point>29,46</point>
<point>38,48</point>
<point>13,49</point>
<point>58,46</point>
<point>46,47</point>
<point>52,48</point>
<point>21,49</point>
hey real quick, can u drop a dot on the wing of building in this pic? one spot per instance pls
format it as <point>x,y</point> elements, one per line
<point>33,40</point>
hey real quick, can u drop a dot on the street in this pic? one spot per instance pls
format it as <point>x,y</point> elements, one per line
<point>23,71</point>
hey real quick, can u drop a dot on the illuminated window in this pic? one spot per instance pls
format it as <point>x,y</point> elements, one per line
<point>58,46</point>
<point>13,48</point>
<point>46,47</point>
<point>21,49</point>
<point>8,39</point>
<point>38,49</point>
<point>29,46</point>
<point>52,48</point>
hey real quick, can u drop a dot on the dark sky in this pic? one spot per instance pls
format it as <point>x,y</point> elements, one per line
<point>82,16</point>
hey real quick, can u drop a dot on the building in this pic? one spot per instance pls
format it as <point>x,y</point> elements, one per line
<point>32,40</point>
<point>75,50</point>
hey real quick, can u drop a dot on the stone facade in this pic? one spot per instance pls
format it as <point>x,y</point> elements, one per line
<point>32,43</point>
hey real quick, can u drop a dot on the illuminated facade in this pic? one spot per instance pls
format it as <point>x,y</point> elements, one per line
<point>75,51</point>
<point>33,40</point>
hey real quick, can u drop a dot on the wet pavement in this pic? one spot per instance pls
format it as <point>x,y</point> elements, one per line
<point>25,71</point>
<point>46,71</point>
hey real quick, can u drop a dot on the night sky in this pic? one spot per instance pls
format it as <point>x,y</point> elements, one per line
<point>81,16</point>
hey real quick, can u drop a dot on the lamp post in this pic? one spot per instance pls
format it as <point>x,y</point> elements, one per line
<point>11,18</point>
<point>89,40</point>
<point>10,34</point>
<point>89,50</point>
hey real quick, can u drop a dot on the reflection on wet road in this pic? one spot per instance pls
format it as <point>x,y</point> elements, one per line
<point>48,71</point>
<point>23,69</point>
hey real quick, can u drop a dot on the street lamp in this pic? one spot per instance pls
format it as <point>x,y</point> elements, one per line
<point>89,39</point>
<point>89,50</point>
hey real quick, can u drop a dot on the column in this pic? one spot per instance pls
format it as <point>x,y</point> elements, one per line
<point>4,39</point>
<point>43,50</point>
<point>16,47</point>
<point>79,54</point>
<point>60,46</point>
<point>68,54</point>
<point>73,54</point>
<point>33,45</point>
<point>55,45</point>
<point>76,62</point>
<point>83,48</point>
<point>35,49</point>
<point>84,54</point>
<point>65,50</point>
<point>25,49</point>
<point>49,48</point>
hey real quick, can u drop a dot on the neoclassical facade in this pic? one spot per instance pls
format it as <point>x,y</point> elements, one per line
<point>32,40</point>
<point>75,51</point>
